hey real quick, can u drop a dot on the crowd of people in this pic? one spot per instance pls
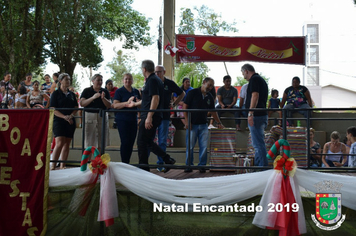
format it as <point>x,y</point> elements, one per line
<point>141,120</point>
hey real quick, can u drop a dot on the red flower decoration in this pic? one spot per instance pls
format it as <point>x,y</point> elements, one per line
<point>280,164</point>
<point>289,165</point>
<point>97,166</point>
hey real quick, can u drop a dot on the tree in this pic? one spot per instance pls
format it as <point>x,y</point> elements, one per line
<point>73,29</point>
<point>208,22</point>
<point>125,63</point>
<point>21,38</point>
<point>196,72</point>
<point>241,80</point>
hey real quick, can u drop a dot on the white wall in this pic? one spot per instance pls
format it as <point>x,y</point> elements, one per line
<point>315,93</point>
<point>337,97</point>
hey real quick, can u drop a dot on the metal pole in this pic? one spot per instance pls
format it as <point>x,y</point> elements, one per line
<point>103,131</point>
<point>83,130</point>
<point>308,139</point>
<point>285,124</point>
<point>189,128</point>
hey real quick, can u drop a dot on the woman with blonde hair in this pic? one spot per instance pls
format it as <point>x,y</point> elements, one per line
<point>335,151</point>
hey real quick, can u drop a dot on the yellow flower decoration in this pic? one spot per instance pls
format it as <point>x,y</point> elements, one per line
<point>105,158</point>
<point>284,165</point>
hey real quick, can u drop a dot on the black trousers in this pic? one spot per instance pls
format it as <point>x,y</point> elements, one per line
<point>145,142</point>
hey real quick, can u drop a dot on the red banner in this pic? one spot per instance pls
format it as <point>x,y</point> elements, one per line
<point>25,142</point>
<point>196,48</point>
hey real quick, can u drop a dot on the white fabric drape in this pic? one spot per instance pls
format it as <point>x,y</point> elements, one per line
<point>209,191</point>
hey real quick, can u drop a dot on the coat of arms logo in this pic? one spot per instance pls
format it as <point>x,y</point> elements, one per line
<point>190,47</point>
<point>328,207</point>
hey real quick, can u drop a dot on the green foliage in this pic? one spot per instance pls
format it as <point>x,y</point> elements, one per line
<point>196,72</point>
<point>21,41</point>
<point>185,25</point>
<point>125,63</point>
<point>208,22</point>
<point>75,83</point>
<point>73,29</point>
<point>240,81</point>
<point>65,31</point>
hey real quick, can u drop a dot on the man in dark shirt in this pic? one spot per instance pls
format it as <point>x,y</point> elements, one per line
<point>256,97</point>
<point>152,99</point>
<point>199,98</point>
<point>169,87</point>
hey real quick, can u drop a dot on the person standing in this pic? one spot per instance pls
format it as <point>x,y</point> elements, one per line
<point>54,84</point>
<point>199,98</point>
<point>256,97</point>
<point>227,98</point>
<point>27,82</point>
<point>95,97</point>
<point>7,90</point>
<point>186,88</point>
<point>351,136</point>
<point>126,121</point>
<point>109,85</point>
<point>63,121</point>
<point>46,87</point>
<point>152,99</point>
<point>5,84</point>
<point>169,87</point>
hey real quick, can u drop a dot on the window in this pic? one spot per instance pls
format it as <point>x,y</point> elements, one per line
<point>313,33</point>
<point>313,54</point>
<point>313,76</point>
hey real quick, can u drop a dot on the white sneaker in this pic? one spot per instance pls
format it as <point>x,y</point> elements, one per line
<point>211,127</point>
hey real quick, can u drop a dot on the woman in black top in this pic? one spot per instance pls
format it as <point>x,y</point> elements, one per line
<point>63,122</point>
<point>95,97</point>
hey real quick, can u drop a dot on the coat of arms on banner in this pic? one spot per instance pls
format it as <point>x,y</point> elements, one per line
<point>328,211</point>
<point>190,45</point>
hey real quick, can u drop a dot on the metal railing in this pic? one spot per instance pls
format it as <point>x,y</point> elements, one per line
<point>309,119</point>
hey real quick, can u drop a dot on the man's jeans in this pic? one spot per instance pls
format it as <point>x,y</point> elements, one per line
<point>258,140</point>
<point>162,138</point>
<point>200,132</point>
<point>235,113</point>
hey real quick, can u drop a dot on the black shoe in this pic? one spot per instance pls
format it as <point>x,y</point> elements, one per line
<point>202,170</point>
<point>169,160</point>
<point>188,170</point>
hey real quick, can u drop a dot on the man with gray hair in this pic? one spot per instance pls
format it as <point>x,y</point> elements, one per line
<point>256,97</point>
<point>169,87</point>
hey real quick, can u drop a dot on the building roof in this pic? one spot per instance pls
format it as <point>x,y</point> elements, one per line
<point>338,87</point>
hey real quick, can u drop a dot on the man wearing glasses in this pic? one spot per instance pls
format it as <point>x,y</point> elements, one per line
<point>169,87</point>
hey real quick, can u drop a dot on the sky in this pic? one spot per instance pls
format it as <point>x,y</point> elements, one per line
<point>264,18</point>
